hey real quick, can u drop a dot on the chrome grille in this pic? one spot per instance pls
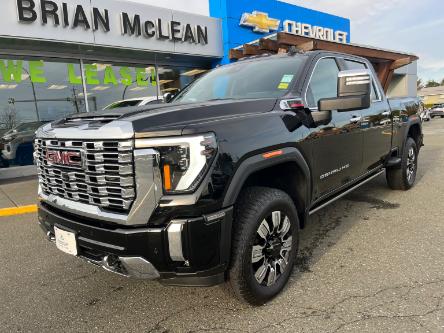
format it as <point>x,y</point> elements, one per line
<point>105,177</point>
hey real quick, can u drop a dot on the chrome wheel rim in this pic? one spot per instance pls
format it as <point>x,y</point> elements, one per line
<point>411,165</point>
<point>271,249</point>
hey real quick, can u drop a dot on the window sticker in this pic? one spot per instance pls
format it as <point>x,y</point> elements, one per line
<point>287,78</point>
<point>283,85</point>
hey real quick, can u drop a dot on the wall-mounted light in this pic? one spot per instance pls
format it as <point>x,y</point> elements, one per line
<point>138,88</point>
<point>57,87</point>
<point>165,81</point>
<point>8,86</point>
<point>194,72</point>
<point>100,88</point>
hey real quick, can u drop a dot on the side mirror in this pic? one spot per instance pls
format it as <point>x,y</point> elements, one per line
<point>167,97</point>
<point>354,90</point>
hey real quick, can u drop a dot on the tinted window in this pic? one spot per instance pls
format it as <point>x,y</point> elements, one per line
<point>324,81</point>
<point>360,65</point>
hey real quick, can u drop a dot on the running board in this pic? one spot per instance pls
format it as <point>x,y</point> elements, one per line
<point>345,192</point>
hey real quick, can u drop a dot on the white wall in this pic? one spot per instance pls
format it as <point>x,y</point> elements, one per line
<point>200,7</point>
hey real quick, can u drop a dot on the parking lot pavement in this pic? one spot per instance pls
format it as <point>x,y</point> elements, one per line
<point>14,193</point>
<point>371,262</point>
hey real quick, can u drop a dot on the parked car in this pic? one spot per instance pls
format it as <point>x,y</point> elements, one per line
<point>437,111</point>
<point>140,101</point>
<point>17,143</point>
<point>215,186</point>
<point>425,115</point>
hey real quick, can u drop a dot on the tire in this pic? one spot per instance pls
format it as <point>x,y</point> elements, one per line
<point>403,177</point>
<point>264,220</point>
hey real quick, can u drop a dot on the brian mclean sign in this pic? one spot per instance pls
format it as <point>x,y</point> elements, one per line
<point>113,23</point>
<point>76,17</point>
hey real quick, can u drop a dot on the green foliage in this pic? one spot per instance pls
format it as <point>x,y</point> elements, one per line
<point>432,83</point>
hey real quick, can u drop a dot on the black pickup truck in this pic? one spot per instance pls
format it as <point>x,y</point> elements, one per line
<point>215,185</point>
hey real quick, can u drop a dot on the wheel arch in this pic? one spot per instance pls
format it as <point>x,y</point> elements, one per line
<point>414,131</point>
<point>294,178</point>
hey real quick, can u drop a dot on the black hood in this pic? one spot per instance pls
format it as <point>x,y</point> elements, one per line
<point>165,117</point>
<point>174,115</point>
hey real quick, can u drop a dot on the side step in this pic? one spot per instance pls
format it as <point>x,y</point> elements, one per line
<point>340,195</point>
<point>393,161</point>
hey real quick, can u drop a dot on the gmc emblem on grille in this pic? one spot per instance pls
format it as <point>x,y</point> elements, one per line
<point>68,158</point>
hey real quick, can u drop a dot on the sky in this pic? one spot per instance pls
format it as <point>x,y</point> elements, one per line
<point>413,26</point>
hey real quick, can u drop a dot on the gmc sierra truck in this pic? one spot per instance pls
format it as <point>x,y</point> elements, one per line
<point>214,185</point>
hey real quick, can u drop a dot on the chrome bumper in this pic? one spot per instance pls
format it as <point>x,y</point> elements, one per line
<point>134,267</point>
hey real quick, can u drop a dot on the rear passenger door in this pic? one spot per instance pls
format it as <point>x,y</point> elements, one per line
<point>376,123</point>
<point>337,141</point>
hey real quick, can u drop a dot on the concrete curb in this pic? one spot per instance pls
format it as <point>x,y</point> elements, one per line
<point>18,210</point>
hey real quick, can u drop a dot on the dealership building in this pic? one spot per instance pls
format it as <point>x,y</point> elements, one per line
<point>59,57</point>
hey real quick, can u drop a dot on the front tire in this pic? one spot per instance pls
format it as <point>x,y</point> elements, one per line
<point>403,177</point>
<point>265,242</point>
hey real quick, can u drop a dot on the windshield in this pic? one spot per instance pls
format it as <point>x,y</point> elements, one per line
<point>265,78</point>
<point>27,127</point>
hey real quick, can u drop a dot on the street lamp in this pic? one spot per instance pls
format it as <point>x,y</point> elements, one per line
<point>34,94</point>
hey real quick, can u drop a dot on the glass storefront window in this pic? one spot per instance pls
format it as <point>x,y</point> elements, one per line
<point>33,92</point>
<point>111,85</point>
<point>174,79</point>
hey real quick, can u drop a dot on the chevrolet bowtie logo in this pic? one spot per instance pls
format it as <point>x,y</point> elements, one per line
<point>260,22</point>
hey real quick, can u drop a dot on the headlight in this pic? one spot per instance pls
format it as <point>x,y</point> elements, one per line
<point>8,138</point>
<point>184,160</point>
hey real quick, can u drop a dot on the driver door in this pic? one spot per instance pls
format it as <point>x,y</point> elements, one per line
<point>336,137</point>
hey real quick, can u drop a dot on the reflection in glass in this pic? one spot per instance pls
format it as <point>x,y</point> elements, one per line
<point>33,92</point>
<point>111,86</point>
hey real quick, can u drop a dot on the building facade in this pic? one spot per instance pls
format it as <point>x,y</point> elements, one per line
<point>61,57</point>
<point>432,96</point>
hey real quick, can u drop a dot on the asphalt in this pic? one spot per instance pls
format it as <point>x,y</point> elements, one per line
<point>371,262</point>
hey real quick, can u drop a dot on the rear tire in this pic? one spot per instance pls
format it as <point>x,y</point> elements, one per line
<point>403,177</point>
<point>265,242</point>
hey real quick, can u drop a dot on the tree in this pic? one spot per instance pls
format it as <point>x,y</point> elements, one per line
<point>442,82</point>
<point>431,83</point>
<point>419,84</point>
<point>8,117</point>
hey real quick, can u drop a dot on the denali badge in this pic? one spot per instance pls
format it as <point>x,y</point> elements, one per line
<point>68,158</point>
<point>335,171</point>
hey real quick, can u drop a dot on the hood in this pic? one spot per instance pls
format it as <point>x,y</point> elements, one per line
<point>166,117</point>
<point>180,115</point>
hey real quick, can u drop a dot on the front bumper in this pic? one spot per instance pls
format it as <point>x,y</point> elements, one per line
<point>191,251</point>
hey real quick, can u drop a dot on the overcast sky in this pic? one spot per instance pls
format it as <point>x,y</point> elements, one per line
<point>415,26</point>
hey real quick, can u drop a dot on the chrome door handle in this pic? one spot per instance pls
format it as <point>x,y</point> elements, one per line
<point>355,119</point>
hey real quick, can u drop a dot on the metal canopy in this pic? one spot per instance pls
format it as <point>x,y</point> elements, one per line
<point>385,62</point>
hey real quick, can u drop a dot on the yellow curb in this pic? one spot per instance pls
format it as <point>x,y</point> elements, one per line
<point>18,210</point>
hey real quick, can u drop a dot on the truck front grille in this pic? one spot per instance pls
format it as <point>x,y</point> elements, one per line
<point>99,173</point>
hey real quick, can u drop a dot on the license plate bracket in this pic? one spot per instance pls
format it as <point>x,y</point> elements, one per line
<point>66,241</point>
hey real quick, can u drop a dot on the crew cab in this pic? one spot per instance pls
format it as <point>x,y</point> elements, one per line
<point>214,186</point>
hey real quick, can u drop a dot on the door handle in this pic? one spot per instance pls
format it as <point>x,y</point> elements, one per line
<point>386,113</point>
<point>355,119</point>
